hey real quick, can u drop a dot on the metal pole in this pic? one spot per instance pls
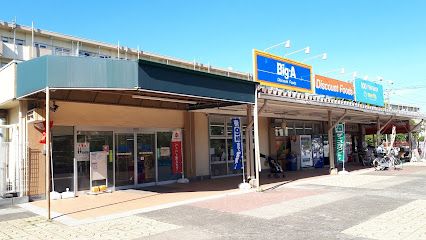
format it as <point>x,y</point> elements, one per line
<point>330,141</point>
<point>378,133</point>
<point>118,50</point>
<point>242,152</point>
<point>32,39</point>
<point>249,158</point>
<point>48,152</point>
<point>256,139</point>
<point>138,52</point>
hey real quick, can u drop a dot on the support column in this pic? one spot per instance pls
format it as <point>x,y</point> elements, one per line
<point>22,139</point>
<point>48,152</point>
<point>330,142</point>
<point>378,133</point>
<point>189,144</point>
<point>256,140</point>
<point>249,143</point>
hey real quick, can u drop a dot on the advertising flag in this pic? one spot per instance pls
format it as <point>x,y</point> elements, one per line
<point>237,143</point>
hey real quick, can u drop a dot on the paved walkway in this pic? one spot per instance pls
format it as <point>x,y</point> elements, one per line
<point>366,205</point>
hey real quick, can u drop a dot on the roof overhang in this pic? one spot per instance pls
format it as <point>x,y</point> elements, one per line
<point>143,83</point>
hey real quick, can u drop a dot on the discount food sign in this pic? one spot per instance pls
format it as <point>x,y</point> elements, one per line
<point>334,88</point>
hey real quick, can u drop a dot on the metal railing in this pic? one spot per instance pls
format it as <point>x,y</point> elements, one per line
<point>11,169</point>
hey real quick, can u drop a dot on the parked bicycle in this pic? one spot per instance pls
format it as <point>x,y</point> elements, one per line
<point>386,161</point>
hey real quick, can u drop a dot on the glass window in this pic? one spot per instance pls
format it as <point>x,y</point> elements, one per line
<point>63,158</point>
<point>164,158</point>
<point>221,152</point>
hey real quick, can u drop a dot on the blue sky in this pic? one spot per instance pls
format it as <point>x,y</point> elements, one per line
<point>375,38</point>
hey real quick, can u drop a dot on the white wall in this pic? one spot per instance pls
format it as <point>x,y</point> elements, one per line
<point>7,83</point>
<point>97,115</point>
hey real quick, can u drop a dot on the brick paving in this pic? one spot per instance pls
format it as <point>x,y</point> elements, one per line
<point>366,205</point>
<point>405,222</point>
<point>124,228</point>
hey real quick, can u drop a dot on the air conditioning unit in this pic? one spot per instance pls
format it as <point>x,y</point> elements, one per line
<point>35,115</point>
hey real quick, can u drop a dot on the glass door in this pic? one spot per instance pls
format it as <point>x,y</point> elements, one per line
<point>63,158</point>
<point>124,159</point>
<point>92,141</point>
<point>164,158</point>
<point>145,158</point>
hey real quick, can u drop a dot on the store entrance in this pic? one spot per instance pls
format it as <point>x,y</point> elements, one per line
<point>93,141</point>
<point>124,159</point>
<point>146,158</point>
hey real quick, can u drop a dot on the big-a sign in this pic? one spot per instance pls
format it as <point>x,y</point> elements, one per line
<point>280,72</point>
<point>369,92</point>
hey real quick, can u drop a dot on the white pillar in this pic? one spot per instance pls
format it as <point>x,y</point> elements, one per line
<point>256,140</point>
<point>48,152</point>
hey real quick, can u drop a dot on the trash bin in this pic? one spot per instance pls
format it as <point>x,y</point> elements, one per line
<point>292,162</point>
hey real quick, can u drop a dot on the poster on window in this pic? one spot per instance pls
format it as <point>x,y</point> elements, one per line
<point>177,151</point>
<point>83,151</point>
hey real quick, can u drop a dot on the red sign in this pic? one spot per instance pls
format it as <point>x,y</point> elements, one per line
<point>177,157</point>
<point>177,161</point>
<point>41,127</point>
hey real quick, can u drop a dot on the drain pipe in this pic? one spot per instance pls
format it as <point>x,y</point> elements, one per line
<point>3,115</point>
<point>3,128</point>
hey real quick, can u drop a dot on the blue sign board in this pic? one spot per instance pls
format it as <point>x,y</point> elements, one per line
<point>369,92</point>
<point>280,72</point>
<point>237,143</point>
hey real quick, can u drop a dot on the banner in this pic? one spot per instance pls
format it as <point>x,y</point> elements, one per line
<point>340,142</point>
<point>274,71</point>
<point>237,143</point>
<point>177,161</point>
<point>369,92</point>
<point>334,88</point>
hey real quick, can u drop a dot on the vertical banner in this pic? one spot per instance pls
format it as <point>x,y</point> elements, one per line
<point>340,142</point>
<point>237,143</point>
<point>177,151</point>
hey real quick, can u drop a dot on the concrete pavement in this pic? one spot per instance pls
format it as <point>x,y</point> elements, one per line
<point>370,205</point>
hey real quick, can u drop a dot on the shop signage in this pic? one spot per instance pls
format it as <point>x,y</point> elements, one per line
<point>334,88</point>
<point>340,142</point>
<point>369,92</point>
<point>237,143</point>
<point>274,71</point>
<point>83,152</point>
<point>177,151</point>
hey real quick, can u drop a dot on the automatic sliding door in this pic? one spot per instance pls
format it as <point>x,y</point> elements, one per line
<point>124,160</point>
<point>92,141</point>
<point>146,158</point>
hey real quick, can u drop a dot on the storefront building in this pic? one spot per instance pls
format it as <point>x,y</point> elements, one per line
<point>120,123</point>
<point>116,123</point>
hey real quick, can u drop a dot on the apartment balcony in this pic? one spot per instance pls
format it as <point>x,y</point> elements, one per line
<point>20,52</point>
<point>17,52</point>
<point>7,83</point>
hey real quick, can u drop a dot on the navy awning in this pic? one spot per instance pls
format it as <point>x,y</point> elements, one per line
<point>167,78</point>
